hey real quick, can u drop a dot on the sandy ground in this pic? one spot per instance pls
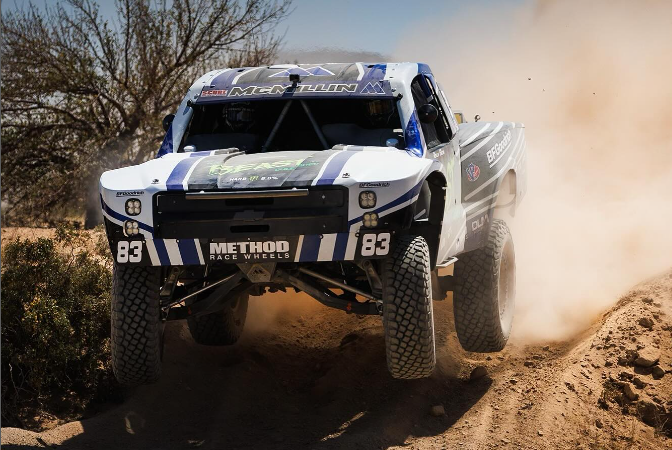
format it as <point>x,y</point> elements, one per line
<point>305,376</point>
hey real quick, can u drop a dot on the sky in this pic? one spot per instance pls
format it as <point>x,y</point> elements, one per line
<point>375,26</point>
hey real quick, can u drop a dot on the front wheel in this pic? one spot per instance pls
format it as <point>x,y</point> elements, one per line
<point>136,325</point>
<point>485,291</point>
<point>407,310</point>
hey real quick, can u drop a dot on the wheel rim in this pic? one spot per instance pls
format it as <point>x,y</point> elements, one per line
<point>506,291</point>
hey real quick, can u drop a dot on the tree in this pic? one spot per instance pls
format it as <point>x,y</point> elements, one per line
<point>82,93</point>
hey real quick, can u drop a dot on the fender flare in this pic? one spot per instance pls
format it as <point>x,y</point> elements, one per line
<point>433,193</point>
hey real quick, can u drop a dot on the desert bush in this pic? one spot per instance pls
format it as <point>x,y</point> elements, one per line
<point>55,325</point>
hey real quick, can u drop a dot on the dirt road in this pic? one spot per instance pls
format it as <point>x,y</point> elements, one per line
<point>305,376</point>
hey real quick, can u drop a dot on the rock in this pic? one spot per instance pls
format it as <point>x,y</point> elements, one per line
<point>629,357</point>
<point>625,375</point>
<point>478,372</point>
<point>195,442</point>
<point>513,381</point>
<point>505,441</point>
<point>646,322</point>
<point>540,433</point>
<point>657,372</point>
<point>437,411</point>
<point>647,300</point>
<point>528,363</point>
<point>647,357</point>
<point>638,383</point>
<point>598,423</point>
<point>650,413</point>
<point>629,392</point>
<point>546,348</point>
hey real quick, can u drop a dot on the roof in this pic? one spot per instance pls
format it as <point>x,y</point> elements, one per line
<point>316,80</point>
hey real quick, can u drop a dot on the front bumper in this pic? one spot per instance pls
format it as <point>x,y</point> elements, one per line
<point>362,244</point>
<point>220,227</point>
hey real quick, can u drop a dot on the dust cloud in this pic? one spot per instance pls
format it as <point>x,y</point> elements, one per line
<point>592,81</point>
<point>268,309</point>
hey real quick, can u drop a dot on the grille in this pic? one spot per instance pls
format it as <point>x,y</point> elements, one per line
<point>223,214</point>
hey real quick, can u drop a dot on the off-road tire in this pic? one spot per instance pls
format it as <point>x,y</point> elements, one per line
<point>221,327</point>
<point>485,279</point>
<point>136,325</point>
<point>408,320</point>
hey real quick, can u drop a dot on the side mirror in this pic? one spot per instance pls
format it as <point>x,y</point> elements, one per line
<point>167,121</point>
<point>428,113</point>
<point>477,118</point>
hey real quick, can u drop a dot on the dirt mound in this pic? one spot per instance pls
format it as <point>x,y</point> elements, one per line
<point>307,376</point>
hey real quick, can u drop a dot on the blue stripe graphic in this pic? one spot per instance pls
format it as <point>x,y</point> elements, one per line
<point>413,136</point>
<point>188,251</point>
<point>167,144</point>
<point>376,72</point>
<point>340,246</point>
<point>123,218</point>
<point>311,247</point>
<point>174,182</point>
<point>162,252</point>
<point>225,80</point>
<point>407,196</point>
<point>199,154</point>
<point>334,168</point>
<point>424,68</point>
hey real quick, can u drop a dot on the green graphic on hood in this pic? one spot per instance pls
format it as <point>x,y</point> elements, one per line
<point>275,166</point>
<point>258,170</point>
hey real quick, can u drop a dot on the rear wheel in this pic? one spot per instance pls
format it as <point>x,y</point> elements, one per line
<point>136,325</point>
<point>485,290</point>
<point>407,310</point>
<point>221,327</point>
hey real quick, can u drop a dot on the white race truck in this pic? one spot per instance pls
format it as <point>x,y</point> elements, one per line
<point>353,183</point>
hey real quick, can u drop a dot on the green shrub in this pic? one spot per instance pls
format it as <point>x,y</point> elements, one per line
<point>55,325</point>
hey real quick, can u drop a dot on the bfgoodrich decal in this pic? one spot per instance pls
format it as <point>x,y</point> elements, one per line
<point>130,193</point>
<point>499,148</point>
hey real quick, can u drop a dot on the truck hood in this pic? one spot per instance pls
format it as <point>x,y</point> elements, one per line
<point>227,169</point>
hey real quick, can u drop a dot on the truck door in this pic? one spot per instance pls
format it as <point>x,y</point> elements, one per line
<point>441,145</point>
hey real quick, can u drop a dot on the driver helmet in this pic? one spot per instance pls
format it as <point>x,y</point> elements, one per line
<point>379,111</point>
<point>238,116</point>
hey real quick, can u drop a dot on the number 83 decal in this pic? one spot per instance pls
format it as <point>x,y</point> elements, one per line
<point>129,251</point>
<point>376,244</point>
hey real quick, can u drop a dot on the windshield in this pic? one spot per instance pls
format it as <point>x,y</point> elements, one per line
<point>294,124</point>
